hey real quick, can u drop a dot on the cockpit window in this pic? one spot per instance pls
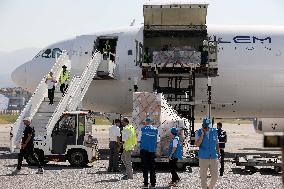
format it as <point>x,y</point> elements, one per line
<point>47,53</point>
<point>38,54</point>
<point>56,52</point>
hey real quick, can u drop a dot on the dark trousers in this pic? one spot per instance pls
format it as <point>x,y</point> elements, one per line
<point>173,168</point>
<point>148,163</point>
<point>105,55</point>
<point>222,154</point>
<point>114,156</point>
<point>27,153</point>
<point>51,95</point>
<point>63,88</point>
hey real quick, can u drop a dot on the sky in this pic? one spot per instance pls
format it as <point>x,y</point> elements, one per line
<point>38,23</point>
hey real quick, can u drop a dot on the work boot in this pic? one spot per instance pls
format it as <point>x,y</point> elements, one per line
<point>145,186</point>
<point>221,173</point>
<point>125,177</point>
<point>173,184</point>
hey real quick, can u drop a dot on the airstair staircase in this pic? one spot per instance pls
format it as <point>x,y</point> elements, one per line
<point>45,116</point>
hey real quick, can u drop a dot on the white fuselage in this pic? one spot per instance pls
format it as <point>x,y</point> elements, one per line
<point>250,63</point>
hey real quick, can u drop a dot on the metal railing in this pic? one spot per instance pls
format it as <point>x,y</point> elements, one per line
<point>75,82</point>
<point>76,91</point>
<point>34,103</point>
<point>86,79</point>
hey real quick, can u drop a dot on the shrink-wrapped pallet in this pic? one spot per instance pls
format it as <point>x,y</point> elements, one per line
<point>164,117</point>
<point>184,58</point>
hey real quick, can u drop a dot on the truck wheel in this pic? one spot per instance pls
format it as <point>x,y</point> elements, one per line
<point>251,169</point>
<point>78,158</point>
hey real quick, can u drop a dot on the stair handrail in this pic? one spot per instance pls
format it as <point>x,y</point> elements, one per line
<point>34,103</point>
<point>86,79</point>
<point>73,92</point>
<point>61,107</point>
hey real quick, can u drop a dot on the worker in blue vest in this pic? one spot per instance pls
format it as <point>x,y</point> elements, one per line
<point>207,141</point>
<point>148,137</point>
<point>222,137</point>
<point>174,154</point>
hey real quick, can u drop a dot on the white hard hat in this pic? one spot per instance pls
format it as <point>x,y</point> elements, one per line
<point>27,119</point>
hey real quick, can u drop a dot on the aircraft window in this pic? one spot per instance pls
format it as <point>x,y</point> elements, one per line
<point>46,53</point>
<point>56,52</point>
<point>129,52</point>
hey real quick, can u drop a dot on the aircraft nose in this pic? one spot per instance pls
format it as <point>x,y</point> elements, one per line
<point>19,76</point>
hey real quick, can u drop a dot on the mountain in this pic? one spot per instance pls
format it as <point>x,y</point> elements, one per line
<point>11,60</point>
<point>6,81</point>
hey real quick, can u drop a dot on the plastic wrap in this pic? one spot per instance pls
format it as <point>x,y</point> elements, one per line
<point>164,117</point>
<point>184,58</point>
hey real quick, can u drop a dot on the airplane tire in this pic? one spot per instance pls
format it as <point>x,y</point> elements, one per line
<point>77,158</point>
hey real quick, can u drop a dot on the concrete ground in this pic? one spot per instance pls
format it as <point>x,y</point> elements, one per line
<point>241,140</point>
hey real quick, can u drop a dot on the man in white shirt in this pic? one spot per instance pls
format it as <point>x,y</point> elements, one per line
<point>50,81</point>
<point>114,145</point>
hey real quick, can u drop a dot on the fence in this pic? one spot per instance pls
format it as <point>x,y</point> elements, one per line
<point>10,112</point>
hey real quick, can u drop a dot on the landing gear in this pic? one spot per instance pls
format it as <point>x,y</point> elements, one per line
<point>251,169</point>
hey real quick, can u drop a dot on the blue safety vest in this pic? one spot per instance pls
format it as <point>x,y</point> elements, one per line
<point>149,136</point>
<point>178,153</point>
<point>207,149</point>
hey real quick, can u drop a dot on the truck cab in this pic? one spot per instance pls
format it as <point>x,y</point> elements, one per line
<point>71,139</point>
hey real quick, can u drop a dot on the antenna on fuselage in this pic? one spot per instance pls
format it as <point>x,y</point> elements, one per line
<point>133,22</point>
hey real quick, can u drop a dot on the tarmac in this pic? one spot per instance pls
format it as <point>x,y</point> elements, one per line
<point>242,140</point>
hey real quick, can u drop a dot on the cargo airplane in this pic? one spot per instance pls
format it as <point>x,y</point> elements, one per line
<point>250,80</point>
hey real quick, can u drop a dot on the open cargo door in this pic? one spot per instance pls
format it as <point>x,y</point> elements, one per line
<point>159,15</point>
